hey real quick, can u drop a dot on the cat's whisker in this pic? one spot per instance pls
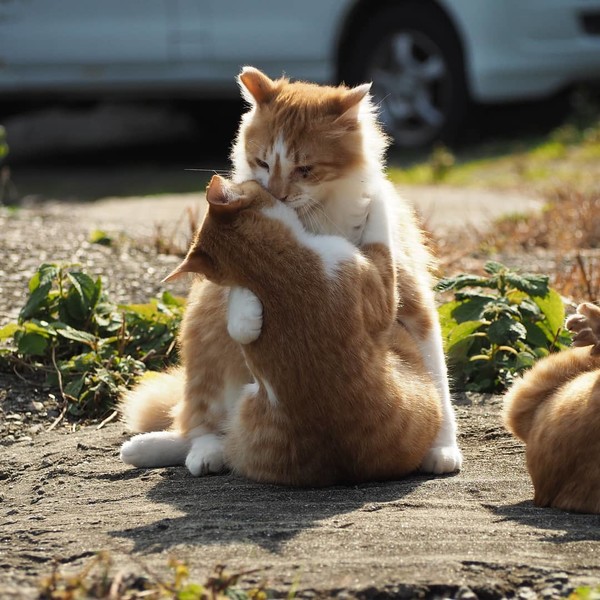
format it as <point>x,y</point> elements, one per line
<point>215,171</point>
<point>321,210</point>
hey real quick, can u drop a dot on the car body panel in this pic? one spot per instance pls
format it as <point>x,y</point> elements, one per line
<point>513,49</point>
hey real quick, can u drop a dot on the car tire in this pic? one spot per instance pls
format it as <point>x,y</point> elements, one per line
<point>413,56</point>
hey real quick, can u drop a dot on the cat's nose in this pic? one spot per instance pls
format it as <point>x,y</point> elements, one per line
<point>283,198</point>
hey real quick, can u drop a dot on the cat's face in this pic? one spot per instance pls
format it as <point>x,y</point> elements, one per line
<point>298,138</point>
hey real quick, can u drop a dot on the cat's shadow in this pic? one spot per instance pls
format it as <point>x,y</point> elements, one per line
<point>225,509</point>
<point>567,526</point>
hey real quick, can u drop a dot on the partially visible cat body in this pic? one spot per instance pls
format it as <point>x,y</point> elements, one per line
<point>555,410</point>
<point>340,395</point>
<point>319,150</point>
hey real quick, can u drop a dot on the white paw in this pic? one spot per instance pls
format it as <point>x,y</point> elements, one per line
<point>442,459</point>
<point>205,455</point>
<point>244,315</point>
<point>156,449</point>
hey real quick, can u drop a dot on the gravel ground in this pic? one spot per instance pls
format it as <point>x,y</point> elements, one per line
<point>64,494</point>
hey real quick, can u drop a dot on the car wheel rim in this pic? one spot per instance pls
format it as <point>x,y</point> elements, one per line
<point>411,84</point>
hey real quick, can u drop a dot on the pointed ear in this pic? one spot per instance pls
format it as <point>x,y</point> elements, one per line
<point>195,262</point>
<point>350,104</point>
<point>222,199</point>
<point>256,87</point>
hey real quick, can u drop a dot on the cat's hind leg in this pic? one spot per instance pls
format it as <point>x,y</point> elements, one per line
<point>417,313</point>
<point>155,449</point>
<point>444,456</point>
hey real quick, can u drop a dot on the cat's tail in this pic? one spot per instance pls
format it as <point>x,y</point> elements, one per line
<point>150,405</point>
<point>540,384</point>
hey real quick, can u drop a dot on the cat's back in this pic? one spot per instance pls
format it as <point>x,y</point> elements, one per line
<point>563,449</point>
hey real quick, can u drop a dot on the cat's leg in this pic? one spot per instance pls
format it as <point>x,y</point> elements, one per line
<point>417,313</point>
<point>444,455</point>
<point>244,315</point>
<point>216,373</point>
<point>205,455</point>
<point>155,449</point>
<point>585,325</point>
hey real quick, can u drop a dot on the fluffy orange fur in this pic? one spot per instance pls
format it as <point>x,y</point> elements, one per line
<point>334,403</point>
<point>555,410</point>
<point>336,153</point>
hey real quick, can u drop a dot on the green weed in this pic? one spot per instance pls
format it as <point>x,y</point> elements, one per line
<point>88,347</point>
<point>585,593</point>
<point>97,580</point>
<point>498,325</point>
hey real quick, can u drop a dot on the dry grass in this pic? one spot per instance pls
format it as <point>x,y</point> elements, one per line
<point>563,241</point>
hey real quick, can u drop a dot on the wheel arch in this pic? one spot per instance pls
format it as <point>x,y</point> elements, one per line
<point>362,10</point>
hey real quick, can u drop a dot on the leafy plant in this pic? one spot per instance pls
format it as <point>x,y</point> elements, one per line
<point>88,347</point>
<point>498,325</point>
<point>585,593</point>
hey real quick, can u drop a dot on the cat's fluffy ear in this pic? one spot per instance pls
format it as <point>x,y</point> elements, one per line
<point>350,103</point>
<point>222,199</point>
<point>196,261</point>
<point>256,87</point>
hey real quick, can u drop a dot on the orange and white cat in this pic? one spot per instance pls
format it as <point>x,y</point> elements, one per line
<point>319,150</point>
<point>555,410</point>
<point>340,395</point>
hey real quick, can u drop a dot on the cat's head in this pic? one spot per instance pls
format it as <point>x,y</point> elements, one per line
<point>233,217</point>
<point>299,138</point>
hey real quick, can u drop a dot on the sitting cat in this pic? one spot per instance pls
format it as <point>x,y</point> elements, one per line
<point>555,410</point>
<point>332,403</point>
<point>319,150</point>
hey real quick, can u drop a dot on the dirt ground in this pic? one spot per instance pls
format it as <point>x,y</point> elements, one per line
<point>65,494</point>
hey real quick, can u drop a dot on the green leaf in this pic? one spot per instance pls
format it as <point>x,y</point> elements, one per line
<point>493,268</point>
<point>32,344</point>
<point>505,331</point>
<point>35,302</point>
<point>462,281</point>
<point>553,309</point>
<point>534,285</point>
<point>97,236</point>
<point>537,335</point>
<point>82,296</point>
<point>74,387</point>
<point>76,335</point>
<point>472,309</point>
<point>169,300</point>
<point>9,330</point>
<point>47,273</point>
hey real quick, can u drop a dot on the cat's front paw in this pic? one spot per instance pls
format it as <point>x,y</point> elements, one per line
<point>585,325</point>
<point>244,315</point>
<point>442,459</point>
<point>205,455</point>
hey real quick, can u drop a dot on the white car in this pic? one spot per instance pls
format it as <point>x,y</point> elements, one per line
<point>427,59</point>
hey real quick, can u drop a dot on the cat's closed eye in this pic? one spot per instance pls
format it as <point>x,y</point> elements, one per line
<point>262,164</point>
<point>304,170</point>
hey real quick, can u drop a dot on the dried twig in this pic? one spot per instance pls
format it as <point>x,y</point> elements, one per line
<point>108,419</point>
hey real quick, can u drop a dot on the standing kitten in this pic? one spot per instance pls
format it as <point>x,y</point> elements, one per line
<point>319,150</point>
<point>331,403</point>
<point>555,410</point>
